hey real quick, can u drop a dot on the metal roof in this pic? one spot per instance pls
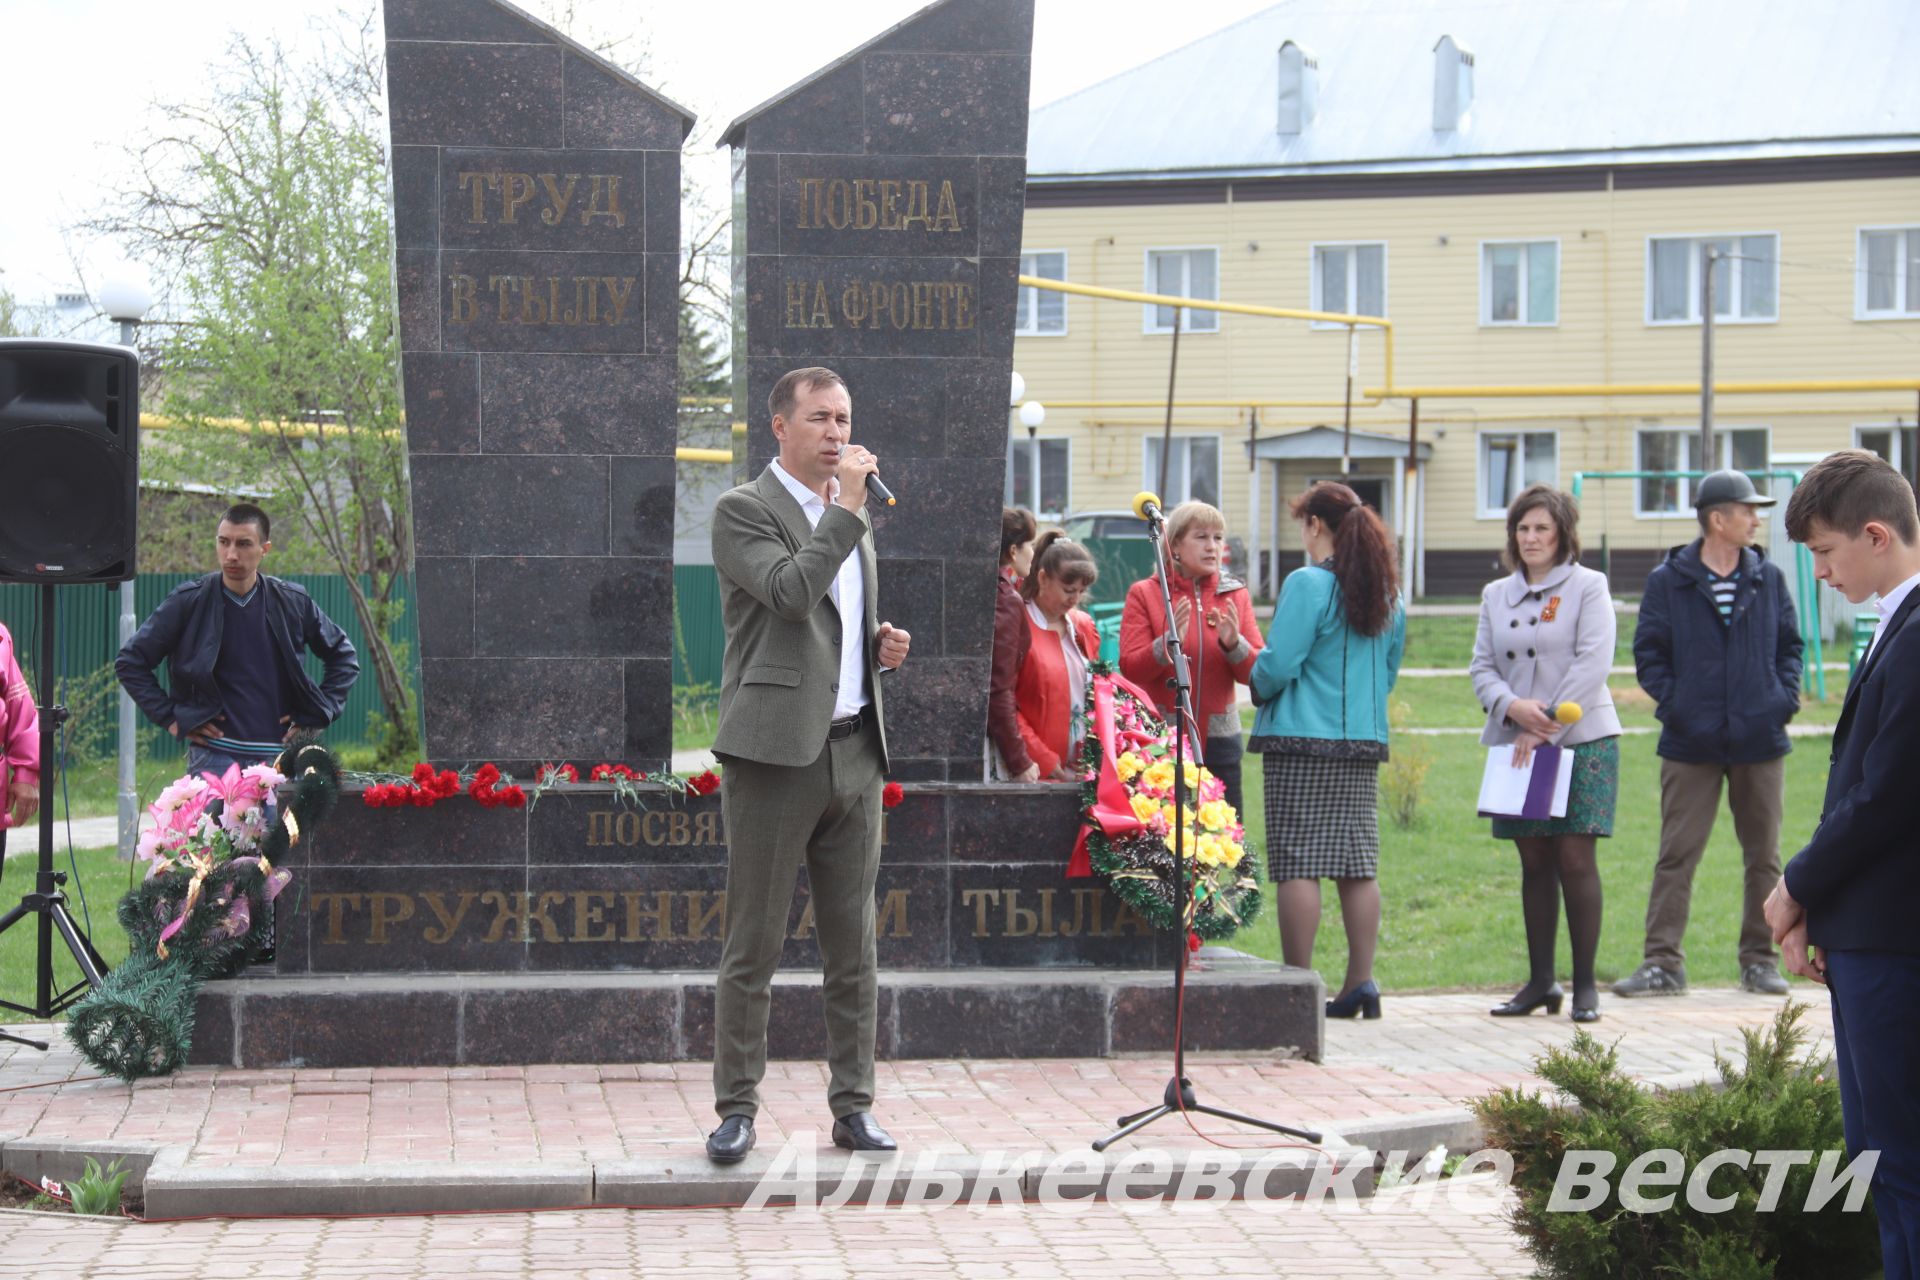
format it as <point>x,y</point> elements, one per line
<point>1324,442</point>
<point>1556,82</point>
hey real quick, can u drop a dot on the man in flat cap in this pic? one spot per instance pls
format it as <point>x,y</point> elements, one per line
<point>1718,649</point>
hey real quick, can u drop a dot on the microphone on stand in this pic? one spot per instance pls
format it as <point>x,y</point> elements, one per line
<point>1146,505</point>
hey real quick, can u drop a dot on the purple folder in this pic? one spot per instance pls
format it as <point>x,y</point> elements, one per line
<point>1536,803</point>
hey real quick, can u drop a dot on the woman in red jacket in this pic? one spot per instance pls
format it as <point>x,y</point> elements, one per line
<point>1007,758</point>
<point>1050,696</point>
<point>1217,630</point>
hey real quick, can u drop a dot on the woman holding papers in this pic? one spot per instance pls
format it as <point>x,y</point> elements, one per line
<point>1321,684</point>
<point>1546,639</point>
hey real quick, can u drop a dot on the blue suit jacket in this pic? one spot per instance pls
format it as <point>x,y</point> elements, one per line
<point>1859,876</point>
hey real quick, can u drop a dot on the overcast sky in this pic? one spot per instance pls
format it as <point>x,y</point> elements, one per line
<point>81,74</point>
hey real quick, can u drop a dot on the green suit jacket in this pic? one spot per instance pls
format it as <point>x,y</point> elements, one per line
<point>777,680</point>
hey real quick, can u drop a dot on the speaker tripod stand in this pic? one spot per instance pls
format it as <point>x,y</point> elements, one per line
<point>47,904</point>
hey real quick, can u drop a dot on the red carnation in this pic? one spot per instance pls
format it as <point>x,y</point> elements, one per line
<point>420,798</point>
<point>371,797</point>
<point>512,797</point>
<point>704,784</point>
<point>1193,942</point>
<point>892,794</point>
<point>422,773</point>
<point>447,784</point>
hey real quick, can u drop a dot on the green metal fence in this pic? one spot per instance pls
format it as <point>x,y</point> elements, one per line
<point>87,632</point>
<point>699,639</point>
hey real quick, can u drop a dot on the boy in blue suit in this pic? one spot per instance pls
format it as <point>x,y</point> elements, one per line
<point>1849,896</point>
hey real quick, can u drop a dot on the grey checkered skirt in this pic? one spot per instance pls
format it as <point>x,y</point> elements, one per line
<point>1322,817</point>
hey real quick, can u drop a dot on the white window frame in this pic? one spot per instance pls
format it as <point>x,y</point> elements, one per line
<point>1188,315</point>
<point>1020,439</point>
<point>1316,303</point>
<point>1150,465</point>
<point>1735,268</point>
<point>1482,509</point>
<point>1860,312</point>
<point>1027,293</point>
<point>1900,461</point>
<point>1723,458</point>
<point>1486,283</point>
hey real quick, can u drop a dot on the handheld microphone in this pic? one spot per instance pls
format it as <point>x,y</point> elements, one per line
<point>1146,505</point>
<point>1568,713</point>
<point>875,489</point>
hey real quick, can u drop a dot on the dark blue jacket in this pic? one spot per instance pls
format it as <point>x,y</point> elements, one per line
<point>185,630</point>
<point>1724,693</point>
<point>1859,876</point>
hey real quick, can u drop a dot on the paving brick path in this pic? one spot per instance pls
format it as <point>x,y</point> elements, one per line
<point>1428,1053</point>
<point>1389,1238</point>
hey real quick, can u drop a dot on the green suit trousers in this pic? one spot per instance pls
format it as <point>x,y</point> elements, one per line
<point>827,815</point>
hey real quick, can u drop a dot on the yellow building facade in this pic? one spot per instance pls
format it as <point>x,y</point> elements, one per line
<point>1505,250</point>
<point>1438,250</point>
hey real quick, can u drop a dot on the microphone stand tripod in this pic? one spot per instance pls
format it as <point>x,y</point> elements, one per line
<point>47,901</point>
<point>1179,1094</point>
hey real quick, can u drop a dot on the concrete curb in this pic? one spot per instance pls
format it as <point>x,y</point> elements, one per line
<point>177,1191</point>
<point>831,1177</point>
<point>63,1160</point>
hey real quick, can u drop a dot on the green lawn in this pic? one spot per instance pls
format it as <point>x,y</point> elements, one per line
<point>105,880</point>
<point>1447,641</point>
<point>1439,702</point>
<point>1451,892</point>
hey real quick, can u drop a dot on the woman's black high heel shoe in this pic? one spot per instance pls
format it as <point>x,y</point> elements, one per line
<point>1589,1011</point>
<point>1518,1008</point>
<point>1363,1000</point>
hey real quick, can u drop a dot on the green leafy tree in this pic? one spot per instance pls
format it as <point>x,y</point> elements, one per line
<point>262,208</point>
<point>16,321</point>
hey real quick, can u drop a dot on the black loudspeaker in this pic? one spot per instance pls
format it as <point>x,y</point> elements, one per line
<point>69,460</point>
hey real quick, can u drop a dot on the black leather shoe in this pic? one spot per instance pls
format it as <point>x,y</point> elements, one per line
<point>1522,1004</point>
<point>860,1132</point>
<point>730,1143</point>
<point>1363,1000</point>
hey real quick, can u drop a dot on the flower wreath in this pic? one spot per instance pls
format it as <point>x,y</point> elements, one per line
<point>1127,836</point>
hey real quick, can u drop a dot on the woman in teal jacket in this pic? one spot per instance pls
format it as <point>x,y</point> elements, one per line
<point>1322,684</point>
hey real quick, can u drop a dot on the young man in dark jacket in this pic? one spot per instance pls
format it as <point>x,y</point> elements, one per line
<point>1843,913</point>
<point>232,641</point>
<point>1718,649</point>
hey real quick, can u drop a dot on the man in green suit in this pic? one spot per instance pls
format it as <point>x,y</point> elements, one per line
<point>804,743</point>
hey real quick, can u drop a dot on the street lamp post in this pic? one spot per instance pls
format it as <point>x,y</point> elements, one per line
<point>127,303</point>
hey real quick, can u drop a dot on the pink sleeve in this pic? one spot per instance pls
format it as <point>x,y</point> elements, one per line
<point>19,718</point>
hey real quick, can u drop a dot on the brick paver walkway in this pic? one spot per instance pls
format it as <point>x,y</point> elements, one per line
<point>1428,1053</point>
<point>1389,1237</point>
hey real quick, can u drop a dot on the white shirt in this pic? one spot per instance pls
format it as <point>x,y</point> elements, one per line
<point>1885,606</point>
<point>849,596</point>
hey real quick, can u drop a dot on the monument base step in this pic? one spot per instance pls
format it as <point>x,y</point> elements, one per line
<point>1233,1002</point>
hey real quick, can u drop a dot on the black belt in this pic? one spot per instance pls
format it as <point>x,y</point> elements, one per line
<point>845,727</point>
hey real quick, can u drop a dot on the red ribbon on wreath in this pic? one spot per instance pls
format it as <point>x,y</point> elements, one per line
<point>1111,807</point>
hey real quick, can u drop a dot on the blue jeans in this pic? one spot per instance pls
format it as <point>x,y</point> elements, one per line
<point>205,760</point>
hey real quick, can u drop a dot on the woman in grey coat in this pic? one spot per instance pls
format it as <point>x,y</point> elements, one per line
<point>1546,638</point>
